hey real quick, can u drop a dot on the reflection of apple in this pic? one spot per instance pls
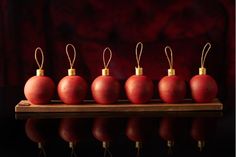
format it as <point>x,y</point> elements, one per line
<point>140,130</point>
<point>73,130</point>
<point>106,130</point>
<point>40,130</point>
<point>169,130</point>
<point>202,129</point>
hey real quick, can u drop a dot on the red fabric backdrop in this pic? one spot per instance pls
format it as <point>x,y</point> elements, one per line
<point>92,25</point>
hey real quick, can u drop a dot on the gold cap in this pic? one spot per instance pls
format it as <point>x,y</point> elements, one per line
<point>71,144</point>
<point>202,71</point>
<point>39,72</point>
<point>138,71</point>
<point>138,144</point>
<point>71,72</point>
<point>105,144</point>
<point>170,143</point>
<point>201,145</point>
<point>40,145</point>
<point>171,72</point>
<point>105,72</point>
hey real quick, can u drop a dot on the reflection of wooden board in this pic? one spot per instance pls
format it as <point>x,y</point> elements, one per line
<point>121,106</point>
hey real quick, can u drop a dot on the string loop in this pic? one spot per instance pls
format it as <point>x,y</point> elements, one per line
<point>107,151</point>
<point>42,152</point>
<point>205,51</point>
<point>170,59</point>
<point>104,59</point>
<point>67,52</point>
<point>36,58</point>
<point>138,56</point>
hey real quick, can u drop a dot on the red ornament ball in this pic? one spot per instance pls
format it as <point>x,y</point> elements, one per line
<point>39,89</point>
<point>105,89</point>
<point>72,89</point>
<point>172,89</point>
<point>139,89</point>
<point>204,88</point>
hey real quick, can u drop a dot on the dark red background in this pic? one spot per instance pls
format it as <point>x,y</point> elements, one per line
<point>92,25</point>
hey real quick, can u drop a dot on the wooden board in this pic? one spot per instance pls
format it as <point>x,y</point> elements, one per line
<point>121,106</point>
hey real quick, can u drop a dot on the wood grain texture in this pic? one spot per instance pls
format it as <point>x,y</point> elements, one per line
<point>121,106</point>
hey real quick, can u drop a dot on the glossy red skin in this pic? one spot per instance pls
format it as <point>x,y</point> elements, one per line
<point>140,129</point>
<point>73,130</point>
<point>139,89</point>
<point>105,129</point>
<point>204,88</point>
<point>39,89</point>
<point>39,130</point>
<point>172,89</point>
<point>105,90</point>
<point>72,89</point>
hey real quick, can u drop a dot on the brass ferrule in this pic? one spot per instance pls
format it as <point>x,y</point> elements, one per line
<point>171,72</point>
<point>201,144</point>
<point>105,144</point>
<point>170,143</point>
<point>71,72</point>
<point>71,144</point>
<point>138,145</point>
<point>40,146</point>
<point>138,71</point>
<point>202,71</point>
<point>105,72</point>
<point>39,72</point>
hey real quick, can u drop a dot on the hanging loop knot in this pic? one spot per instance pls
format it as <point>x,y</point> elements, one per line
<point>71,71</point>
<point>39,71</point>
<point>171,71</point>
<point>105,71</point>
<point>205,51</point>
<point>138,70</point>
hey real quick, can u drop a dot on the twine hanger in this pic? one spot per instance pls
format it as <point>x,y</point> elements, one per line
<point>138,54</point>
<point>42,152</point>
<point>107,151</point>
<point>39,71</point>
<point>205,51</point>
<point>71,71</point>
<point>171,71</point>
<point>72,146</point>
<point>105,71</point>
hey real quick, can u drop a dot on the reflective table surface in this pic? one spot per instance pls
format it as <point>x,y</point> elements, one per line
<point>127,135</point>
